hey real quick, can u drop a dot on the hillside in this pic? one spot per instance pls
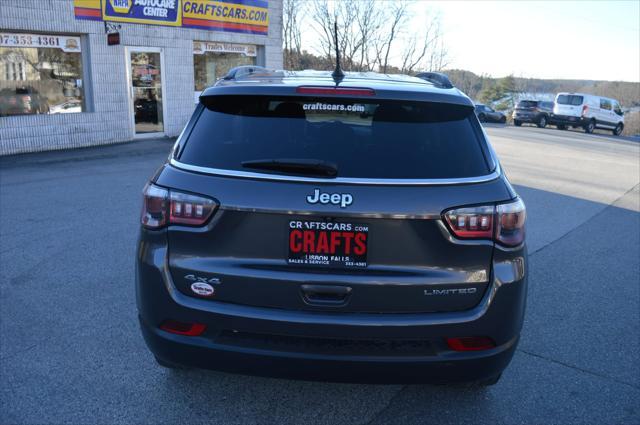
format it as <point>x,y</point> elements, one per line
<point>627,93</point>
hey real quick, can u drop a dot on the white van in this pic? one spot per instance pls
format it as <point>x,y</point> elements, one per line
<point>587,111</point>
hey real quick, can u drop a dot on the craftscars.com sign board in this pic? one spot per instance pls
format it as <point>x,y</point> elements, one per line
<point>243,16</point>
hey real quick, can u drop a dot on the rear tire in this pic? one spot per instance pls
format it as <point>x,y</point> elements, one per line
<point>168,364</point>
<point>618,130</point>
<point>561,127</point>
<point>489,381</point>
<point>517,123</point>
<point>503,120</point>
<point>481,117</point>
<point>542,122</point>
<point>590,126</point>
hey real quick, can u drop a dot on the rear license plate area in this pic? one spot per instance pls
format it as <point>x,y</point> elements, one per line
<point>328,244</point>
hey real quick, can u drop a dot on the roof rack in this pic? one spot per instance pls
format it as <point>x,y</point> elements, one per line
<point>437,78</point>
<point>240,71</point>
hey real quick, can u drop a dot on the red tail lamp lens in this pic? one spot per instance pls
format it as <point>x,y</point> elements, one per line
<point>474,222</point>
<point>181,328</point>
<point>510,223</point>
<point>585,109</point>
<point>503,223</point>
<point>336,91</point>
<point>154,207</point>
<point>162,207</point>
<point>471,343</point>
<point>190,209</point>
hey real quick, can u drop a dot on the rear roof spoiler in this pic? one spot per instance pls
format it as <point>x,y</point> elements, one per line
<point>436,78</point>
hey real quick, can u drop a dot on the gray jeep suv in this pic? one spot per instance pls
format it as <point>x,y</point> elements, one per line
<point>356,229</point>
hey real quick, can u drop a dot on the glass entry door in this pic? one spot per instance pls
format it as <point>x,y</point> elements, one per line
<point>146,90</point>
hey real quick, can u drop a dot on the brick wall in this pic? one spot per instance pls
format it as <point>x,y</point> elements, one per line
<point>110,120</point>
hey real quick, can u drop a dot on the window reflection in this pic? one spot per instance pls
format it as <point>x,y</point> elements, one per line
<point>212,61</point>
<point>40,80</point>
<point>146,77</point>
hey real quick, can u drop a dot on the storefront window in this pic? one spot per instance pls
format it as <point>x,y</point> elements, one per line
<point>213,60</point>
<point>40,74</point>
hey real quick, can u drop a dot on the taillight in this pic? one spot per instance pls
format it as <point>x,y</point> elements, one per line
<point>162,207</point>
<point>471,343</point>
<point>473,222</point>
<point>585,109</point>
<point>154,207</point>
<point>190,209</point>
<point>503,223</point>
<point>510,223</point>
<point>347,91</point>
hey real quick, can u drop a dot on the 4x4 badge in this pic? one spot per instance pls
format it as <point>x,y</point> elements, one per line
<point>194,278</point>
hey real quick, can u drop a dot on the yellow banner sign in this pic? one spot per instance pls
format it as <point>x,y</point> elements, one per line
<point>244,16</point>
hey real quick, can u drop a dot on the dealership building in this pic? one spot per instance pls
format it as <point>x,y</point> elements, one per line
<point>77,73</point>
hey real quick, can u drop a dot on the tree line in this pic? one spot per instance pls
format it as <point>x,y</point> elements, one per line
<point>507,89</point>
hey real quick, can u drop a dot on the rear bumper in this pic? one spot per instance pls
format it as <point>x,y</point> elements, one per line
<point>531,118</point>
<point>568,120</point>
<point>205,353</point>
<point>499,316</point>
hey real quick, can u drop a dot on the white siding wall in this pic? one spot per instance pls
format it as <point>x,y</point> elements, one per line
<point>110,121</point>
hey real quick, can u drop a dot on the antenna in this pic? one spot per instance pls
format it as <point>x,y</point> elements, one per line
<point>337,74</point>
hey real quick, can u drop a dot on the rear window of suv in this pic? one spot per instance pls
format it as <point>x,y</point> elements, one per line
<point>570,99</point>
<point>527,104</point>
<point>363,138</point>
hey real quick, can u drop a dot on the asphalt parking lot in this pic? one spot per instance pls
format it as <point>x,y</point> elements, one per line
<point>71,351</point>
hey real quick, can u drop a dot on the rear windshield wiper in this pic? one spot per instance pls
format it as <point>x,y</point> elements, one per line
<point>308,167</point>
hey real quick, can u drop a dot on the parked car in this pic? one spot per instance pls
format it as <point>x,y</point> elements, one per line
<point>533,111</point>
<point>279,239</point>
<point>67,107</point>
<point>146,110</point>
<point>487,114</point>
<point>589,112</point>
<point>21,101</point>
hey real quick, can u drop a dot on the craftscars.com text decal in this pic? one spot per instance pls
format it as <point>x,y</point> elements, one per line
<point>243,16</point>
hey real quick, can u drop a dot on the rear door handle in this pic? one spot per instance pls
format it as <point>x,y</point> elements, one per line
<point>326,295</point>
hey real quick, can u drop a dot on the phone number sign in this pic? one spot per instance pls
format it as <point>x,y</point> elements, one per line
<point>64,43</point>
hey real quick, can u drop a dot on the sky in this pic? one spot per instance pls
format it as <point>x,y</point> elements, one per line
<point>592,40</point>
<point>587,40</point>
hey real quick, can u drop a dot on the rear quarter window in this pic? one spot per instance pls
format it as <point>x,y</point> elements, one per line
<point>570,99</point>
<point>605,104</point>
<point>364,138</point>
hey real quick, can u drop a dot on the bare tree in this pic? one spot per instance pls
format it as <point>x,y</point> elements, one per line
<point>396,17</point>
<point>292,16</point>
<point>370,33</point>
<point>425,49</point>
<point>323,18</point>
<point>369,19</point>
<point>439,56</point>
